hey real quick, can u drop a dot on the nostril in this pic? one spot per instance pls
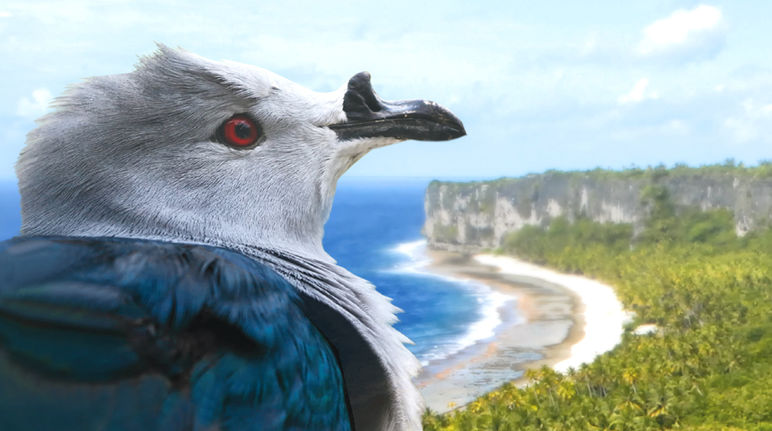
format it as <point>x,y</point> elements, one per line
<point>372,102</point>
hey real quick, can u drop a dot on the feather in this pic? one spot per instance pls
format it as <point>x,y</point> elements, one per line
<point>137,334</point>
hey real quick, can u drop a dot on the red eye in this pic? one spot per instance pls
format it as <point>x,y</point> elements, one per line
<point>240,131</point>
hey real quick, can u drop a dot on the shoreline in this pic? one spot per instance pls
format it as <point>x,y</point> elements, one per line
<point>552,319</point>
<point>602,314</point>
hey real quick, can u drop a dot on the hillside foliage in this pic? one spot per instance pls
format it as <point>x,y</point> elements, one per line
<point>707,367</point>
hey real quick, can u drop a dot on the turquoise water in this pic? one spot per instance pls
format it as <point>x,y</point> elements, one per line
<point>10,217</point>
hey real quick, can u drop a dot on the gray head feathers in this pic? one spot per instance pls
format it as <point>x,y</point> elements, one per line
<point>133,155</point>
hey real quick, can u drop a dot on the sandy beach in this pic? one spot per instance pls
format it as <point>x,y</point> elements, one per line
<point>546,318</point>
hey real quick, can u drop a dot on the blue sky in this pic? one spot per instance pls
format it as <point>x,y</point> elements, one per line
<point>539,85</point>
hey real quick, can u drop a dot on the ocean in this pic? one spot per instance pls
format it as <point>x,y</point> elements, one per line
<point>374,231</point>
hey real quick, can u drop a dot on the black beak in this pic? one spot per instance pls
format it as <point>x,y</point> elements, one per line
<point>368,116</point>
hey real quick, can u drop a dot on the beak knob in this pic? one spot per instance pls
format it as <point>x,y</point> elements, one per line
<point>360,101</point>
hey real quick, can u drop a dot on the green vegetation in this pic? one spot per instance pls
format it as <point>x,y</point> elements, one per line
<point>650,174</point>
<point>762,170</point>
<point>709,365</point>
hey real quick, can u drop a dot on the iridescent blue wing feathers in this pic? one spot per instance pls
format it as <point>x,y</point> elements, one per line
<point>128,334</point>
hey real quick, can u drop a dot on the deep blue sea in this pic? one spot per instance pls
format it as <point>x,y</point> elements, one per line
<point>375,232</point>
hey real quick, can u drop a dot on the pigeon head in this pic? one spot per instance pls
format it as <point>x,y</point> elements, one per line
<point>188,149</point>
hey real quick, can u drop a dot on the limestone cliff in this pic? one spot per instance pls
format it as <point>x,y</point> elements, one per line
<point>479,214</point>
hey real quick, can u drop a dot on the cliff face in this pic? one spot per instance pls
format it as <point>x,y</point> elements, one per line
<point>479,214</point>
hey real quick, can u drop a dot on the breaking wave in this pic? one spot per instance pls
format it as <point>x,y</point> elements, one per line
<point>489,301</point>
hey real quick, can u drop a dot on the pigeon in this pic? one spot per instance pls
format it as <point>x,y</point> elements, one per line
<point>170,273</point>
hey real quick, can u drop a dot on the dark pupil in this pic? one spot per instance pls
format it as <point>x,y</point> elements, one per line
<point>242,130</point>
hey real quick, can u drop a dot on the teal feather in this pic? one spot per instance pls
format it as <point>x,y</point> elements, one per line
<point>116,334</point>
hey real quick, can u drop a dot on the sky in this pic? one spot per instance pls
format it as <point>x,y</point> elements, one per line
<point>538,85</point>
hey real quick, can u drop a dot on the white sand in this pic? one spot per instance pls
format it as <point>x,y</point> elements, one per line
<point>604,315</point>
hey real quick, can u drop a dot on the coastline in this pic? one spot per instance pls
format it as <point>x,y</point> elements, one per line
<point>599,310</point>
<point>552,319</point>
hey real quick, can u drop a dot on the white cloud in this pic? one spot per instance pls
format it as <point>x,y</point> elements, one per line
<point>590,45</point>
<point>698,32</point>
<point>753,122</point>
<point>677,126</point>
<point>638,93</point>
<point>35,106</point>
<point>5,14</point>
